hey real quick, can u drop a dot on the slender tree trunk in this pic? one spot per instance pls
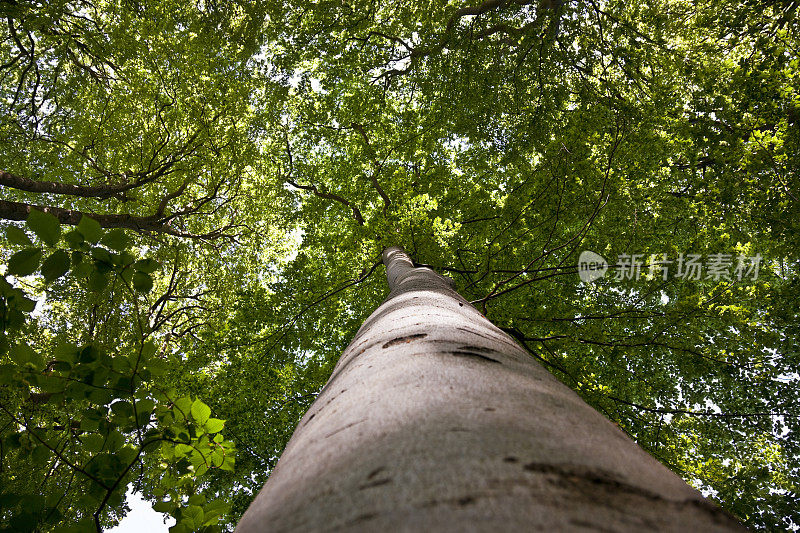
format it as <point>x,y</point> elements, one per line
<point>435,420</point>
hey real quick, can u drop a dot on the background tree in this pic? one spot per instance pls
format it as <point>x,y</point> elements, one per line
<point>263,156</point>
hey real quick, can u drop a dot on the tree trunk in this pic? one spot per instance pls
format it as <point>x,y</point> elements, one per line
<point>435,420</point>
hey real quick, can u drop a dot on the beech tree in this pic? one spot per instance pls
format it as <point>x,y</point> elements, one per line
<point>434,419</point>
<point>195,199</point>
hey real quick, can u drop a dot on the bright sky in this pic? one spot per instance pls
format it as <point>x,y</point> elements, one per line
<point>142,518</point>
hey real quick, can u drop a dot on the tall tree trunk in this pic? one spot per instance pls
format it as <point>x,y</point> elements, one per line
<point>435,420</point>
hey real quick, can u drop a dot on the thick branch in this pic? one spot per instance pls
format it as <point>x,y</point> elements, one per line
<point>20,211</point>
<point>329,196</point>
<point>313,188</point>
<point>99,191</point>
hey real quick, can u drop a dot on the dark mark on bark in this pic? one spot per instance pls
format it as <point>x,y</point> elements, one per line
<point>590,525</point>
<point>466,500</point>
<point>587,480</point>
<point>375,483</point>
<point>345,427</point>
<point>363,518</point>
<point>376,472</point>
<point>490,409</point>
<point>510,460</point>
<point>405,339</point>
<point>465,353</point>
<point>495,338</point>
<point>575,474</point>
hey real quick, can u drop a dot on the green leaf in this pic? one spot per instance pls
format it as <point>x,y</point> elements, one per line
<point>192,517</point>
<point>16,235</point>
<point>145,407</point>
<point>200,412</point>
<point>56,265</point>
<point>127,453</point>
<point>122,408</point>
<point>83,270</point>
<point>115,239</point>
<point>74,239</point>
<point>23,522</point>
<point>93,443</point>
<point>101,396</point>
<point>102,259</point>
<point>217,457</point>
<point>97,281</point>
<point>45,226</point>
<point>88,424</point>
<point>51,384</point>
<point>8,374</point>
<point>147,266</point>
<point>181,450</point>
<point>88,354</point>
<point>214,425</point>
<point>197,499</point>
<point>25,262</point>
<point>228,464</point>
<point>90,229</point>
<point>22,353</point>
<point>66,351</point>
<point>163,507</point>
<point>40,455</point>
<point>115,441</point>
<point>26,304</point>
<point>142,282</point>
<point>61,366</point>
<point>183,405</point>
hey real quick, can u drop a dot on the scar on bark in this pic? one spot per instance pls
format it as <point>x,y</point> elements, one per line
<point>372,482</point>
<point>376,472</point>
<point>362,518</point>
<point>375,483</point>
<point>405,339</point>
<point>475,351</point>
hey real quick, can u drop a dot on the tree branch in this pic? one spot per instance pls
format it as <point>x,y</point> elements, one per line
<point>329,196</point>
<point>378,165</point>
<point>51,187</point>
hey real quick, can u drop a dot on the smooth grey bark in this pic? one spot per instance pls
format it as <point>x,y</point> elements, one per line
<point>436,420</point>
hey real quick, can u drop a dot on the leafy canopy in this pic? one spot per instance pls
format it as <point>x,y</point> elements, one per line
<point>196,197</point>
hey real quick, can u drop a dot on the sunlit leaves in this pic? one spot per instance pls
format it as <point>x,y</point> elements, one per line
<point>676,122</point>
<point>214,425</point>
<point>200,412</point>
<point>100,404</point>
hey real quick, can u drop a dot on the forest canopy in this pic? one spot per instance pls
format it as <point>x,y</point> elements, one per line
<point>194,199</point>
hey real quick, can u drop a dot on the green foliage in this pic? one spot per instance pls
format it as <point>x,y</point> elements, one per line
<point>84,419</point>
<point>227,174</point>
<point>45,225</point>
